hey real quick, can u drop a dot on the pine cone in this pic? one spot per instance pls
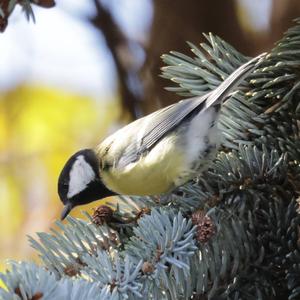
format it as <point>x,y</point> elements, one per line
<point>102,214</point>
<point>147,267</point>
<point>142,212</point>
<point>71,270</point>
<point>36,296</point>
<point>205,226</point>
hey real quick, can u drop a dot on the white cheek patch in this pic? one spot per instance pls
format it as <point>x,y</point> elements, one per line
<point>81,175</point>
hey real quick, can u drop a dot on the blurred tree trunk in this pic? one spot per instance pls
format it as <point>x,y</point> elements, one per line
<point>174,23</point>
<point>118,45</point>
<point>283,14</point>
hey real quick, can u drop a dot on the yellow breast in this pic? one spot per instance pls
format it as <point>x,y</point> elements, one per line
<point>153,174</point>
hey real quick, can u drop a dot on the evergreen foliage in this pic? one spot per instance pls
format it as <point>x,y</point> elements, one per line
<point>232,233</point>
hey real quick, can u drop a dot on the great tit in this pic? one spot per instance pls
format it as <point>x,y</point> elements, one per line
<point>152,155</point>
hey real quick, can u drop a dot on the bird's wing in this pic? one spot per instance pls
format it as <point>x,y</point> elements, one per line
<point>158,125</point>
<point>165,120</point>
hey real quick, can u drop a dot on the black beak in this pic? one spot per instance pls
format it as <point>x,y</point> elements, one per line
<point>68,207</point>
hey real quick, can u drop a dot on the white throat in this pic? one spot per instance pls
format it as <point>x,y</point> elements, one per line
<point>81,175</point>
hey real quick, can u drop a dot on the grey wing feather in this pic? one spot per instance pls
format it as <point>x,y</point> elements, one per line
<point>169,119</point>
<point>162,122</point>
<point>165,120</point>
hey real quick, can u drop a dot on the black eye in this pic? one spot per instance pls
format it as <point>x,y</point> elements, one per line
<point>64,185</point>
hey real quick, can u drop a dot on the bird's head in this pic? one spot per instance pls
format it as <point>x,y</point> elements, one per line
<point>79,181</point>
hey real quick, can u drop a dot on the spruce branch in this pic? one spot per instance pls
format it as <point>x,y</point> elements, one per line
<point>197,76</point>
<point>164,239</point>
<point>267,102</point>
<point>62,252</point>
<point>242,175</point>
<point>119,275</point>
<point>220,258</point>
<point>273,226</point>
<point>27,281</point>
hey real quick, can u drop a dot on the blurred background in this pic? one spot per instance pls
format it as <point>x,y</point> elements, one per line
<point>86,68</point>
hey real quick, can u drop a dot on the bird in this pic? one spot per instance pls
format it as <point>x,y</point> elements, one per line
<point>152,155</point>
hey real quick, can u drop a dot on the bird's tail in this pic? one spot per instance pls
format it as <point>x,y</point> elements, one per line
<point>232,81</point>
